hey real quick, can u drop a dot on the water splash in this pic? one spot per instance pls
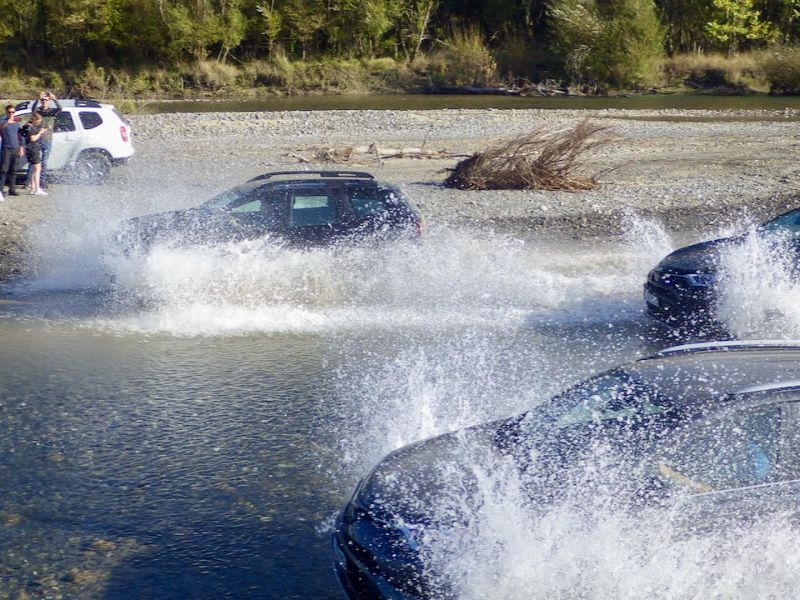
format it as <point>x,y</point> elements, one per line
<point>449,278</point>
<point>758,290</point>
<point>496,542</point>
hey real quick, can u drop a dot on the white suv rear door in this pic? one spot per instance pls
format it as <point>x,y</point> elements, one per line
<point>66,140</point>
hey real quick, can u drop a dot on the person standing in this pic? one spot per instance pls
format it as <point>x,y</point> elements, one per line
<point>43,107</point>
<point>12,148</point>
<point>1,155</point>
<point>32,132</point>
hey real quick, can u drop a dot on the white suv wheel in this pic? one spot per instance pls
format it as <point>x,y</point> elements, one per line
<point>92,166</point>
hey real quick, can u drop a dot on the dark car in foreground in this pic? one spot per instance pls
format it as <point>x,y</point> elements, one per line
<point>297,207</point>
<point>714,427</point>
<point>682,292</point>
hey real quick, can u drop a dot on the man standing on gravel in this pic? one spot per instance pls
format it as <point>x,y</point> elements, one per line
<point>12,148</point>
<point>49,115</point>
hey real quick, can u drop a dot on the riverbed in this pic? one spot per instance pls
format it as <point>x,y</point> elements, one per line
<point>186,424</point>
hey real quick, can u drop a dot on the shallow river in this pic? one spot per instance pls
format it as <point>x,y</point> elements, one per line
<point>188,424</point>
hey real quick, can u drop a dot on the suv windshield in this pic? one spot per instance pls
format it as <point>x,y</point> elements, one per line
<point>612,396</point>
<point>231,196</point>
<point>788,224</point>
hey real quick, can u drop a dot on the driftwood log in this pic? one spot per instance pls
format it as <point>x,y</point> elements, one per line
<point>369,153</point>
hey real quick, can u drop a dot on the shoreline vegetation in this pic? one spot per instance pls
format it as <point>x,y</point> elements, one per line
<point>744,74</point>
<point>248,49</point>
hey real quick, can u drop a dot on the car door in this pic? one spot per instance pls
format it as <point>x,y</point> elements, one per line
<point>258,214</point>
<point>737,466</point>
<point>315,216</point>
<point>66,140</point>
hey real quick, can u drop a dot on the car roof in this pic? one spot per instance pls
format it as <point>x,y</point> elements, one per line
<point>698,373</point>
<point>67,103</point>
<point>728,345</point>
<point>305,175</point>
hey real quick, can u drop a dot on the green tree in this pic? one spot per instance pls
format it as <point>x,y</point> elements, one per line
<point>785,15</point>
<point>615,43</point>
<point>231,27</point>
<point>304,20</point>
<point>413,21</point>
<point>685,22</point>
<point>270,24</point>
<point>193,29</point>
<point>359,27</point>
<point>736,22</point>
<point>74,29</point>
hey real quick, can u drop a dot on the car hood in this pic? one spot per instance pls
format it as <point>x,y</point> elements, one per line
<point>417,482</point>
<point>165,220</point>
<point>140,233</point>
<point>697,258</point>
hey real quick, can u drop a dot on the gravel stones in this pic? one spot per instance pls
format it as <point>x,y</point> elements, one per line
<point>693,170</point>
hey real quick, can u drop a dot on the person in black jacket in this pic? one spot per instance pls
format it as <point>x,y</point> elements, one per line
<point>11,150</point>
<point>43,106</point>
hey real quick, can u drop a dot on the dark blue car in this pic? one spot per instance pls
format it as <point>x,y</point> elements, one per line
<point>681,291</point>
<point>716,426</point>
<point>303,208</point>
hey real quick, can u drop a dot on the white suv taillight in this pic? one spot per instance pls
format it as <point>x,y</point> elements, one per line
<point>123,133</point>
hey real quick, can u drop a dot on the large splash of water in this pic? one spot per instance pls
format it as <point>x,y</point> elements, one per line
<point>758,289</point>
<point>452,277</point>
<point>587,545</point>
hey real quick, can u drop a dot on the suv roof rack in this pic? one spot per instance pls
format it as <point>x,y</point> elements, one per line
<point>778,386</point>
<point>88,102</point>
<point>67,102</point>
<point>343,174</point>
<point>731,345</point>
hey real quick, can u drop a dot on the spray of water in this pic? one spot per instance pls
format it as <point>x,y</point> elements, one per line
<point>495,541</point>
<point>758,290</point>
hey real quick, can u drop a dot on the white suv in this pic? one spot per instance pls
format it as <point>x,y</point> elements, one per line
<point>88,138</point>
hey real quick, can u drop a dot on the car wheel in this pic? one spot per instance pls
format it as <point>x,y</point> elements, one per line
<point>92,167</point>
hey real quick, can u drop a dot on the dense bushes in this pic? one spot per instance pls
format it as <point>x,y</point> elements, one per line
<point>178,47</point>
<point>617,43</point>
<point>781,68</point>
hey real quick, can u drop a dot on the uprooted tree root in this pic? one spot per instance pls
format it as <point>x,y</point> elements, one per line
<point>536,161</point>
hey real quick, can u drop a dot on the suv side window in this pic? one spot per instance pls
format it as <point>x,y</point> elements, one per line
<point>90,120</point>
<point>366,206</point>
<point>261,206</point>
<point>739,449</point>
<point>64,122</point>
<point>312,211</point>
<point>250,206</point>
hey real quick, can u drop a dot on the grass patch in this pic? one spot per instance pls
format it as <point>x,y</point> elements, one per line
<point>739,73</point>
<point>781,68</point>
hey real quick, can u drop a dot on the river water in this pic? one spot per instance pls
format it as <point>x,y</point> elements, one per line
<point>790,104</point>
<point>174,436</point>
<point>187,424</point>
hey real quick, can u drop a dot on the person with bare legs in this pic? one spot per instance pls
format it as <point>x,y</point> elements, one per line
<point>32,133</point>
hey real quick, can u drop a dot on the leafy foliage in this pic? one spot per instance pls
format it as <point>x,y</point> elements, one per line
<point>613,42</point>
<point>737,21</point>
<point>617,42</point>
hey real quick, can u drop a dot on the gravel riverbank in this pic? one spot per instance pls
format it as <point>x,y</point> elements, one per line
<point>695,171</point>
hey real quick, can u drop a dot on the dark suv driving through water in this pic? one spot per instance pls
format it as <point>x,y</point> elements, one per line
<point>298,207</point>
<point>712,429</point>
<point>681,291</point>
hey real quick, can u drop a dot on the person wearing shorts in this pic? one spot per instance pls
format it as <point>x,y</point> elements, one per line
<point>42,105</point>
<point>32,133</point>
